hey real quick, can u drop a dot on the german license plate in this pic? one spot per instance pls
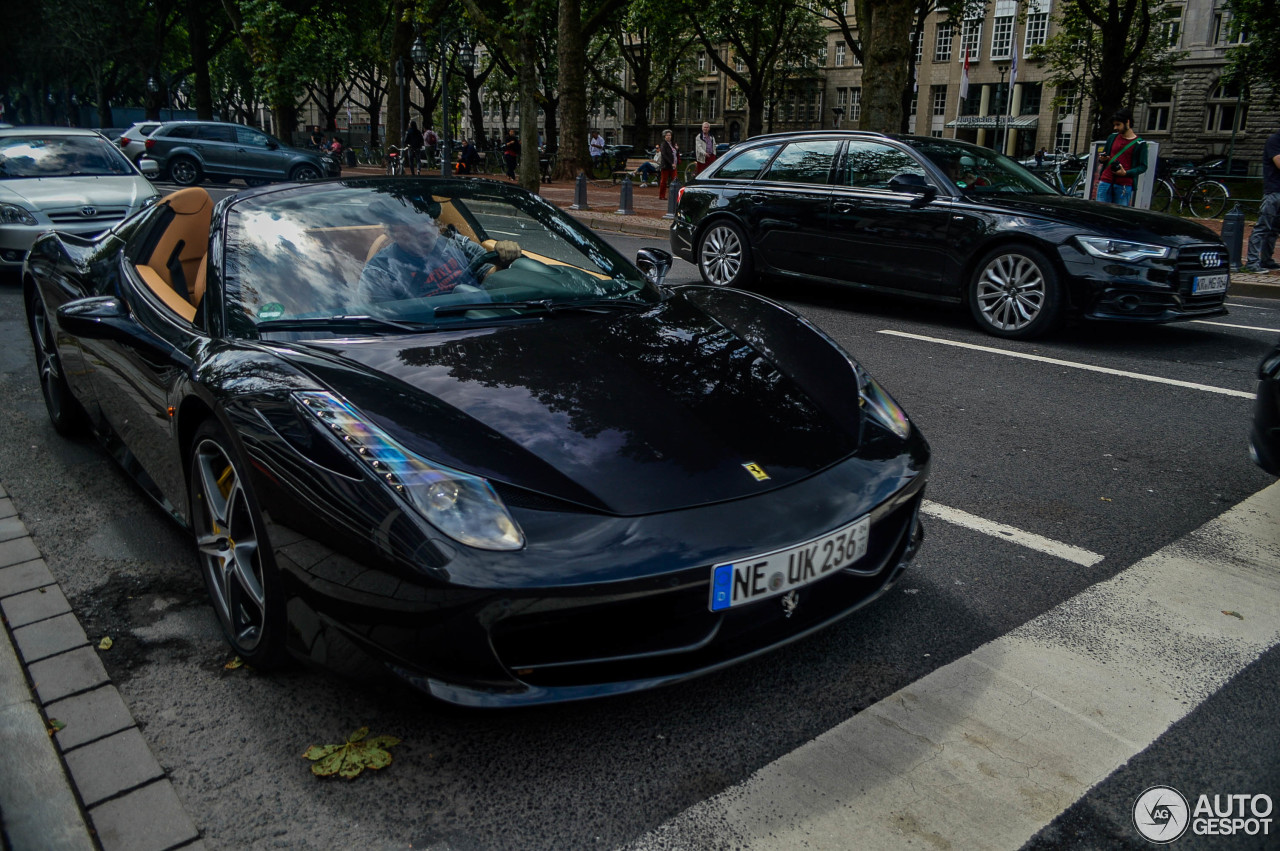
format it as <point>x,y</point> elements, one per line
<point>1210,283</point>
<point>770,574</point>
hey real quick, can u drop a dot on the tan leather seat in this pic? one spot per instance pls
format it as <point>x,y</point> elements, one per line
<point>185,241</point>
<point>166,293</point>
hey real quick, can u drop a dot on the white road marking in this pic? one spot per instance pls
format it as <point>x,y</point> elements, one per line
<point>1074,365</point>
<point>1012,534</point>
<point>985,751</point>
<point>1229,325</point>
<point>1249,306</point>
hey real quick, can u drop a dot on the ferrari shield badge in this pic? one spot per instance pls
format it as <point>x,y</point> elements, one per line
<point>757,471</point>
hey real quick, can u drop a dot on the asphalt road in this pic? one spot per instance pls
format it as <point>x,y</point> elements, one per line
<point>1110,463</point>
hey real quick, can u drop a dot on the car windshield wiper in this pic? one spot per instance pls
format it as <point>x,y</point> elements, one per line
<point>550,306</point>
<point>362,322</point>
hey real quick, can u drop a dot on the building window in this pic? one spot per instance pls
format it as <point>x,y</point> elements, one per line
<point>942,43</point>
<point>1226,109</point>
<point>822,56</point>
<point>840,49</point>
<point>855,104</point>
<point>917,39</point>
<point>1171,27</point>
<point>697,106</point>
<point>1159,108</point>
<point>1002,37</point>
<point>970,39</point>
<point>842,99</point>
<point>1037,29</point>
<point>711,106</point>
<point>702,60</point>
<point>1228,31</point>
<point>1031,96</point>
<point>939,101</point>
<point>739,65</point>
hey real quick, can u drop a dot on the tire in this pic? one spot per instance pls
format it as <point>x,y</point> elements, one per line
<point>68,418</point>
<point>1209,199</point>
<point>724,258</point>
<point>1161,196</point>
<point>185,171</point>
<point>1015,293</point>
<point>304,173</point>
<point>234,554</point>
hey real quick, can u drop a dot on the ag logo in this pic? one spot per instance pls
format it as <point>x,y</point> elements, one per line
<point>1161,814</point>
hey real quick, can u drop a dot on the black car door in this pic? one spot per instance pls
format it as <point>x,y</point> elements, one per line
<point>135,368</point>
<point>885,238</point>
<point>787,206</point>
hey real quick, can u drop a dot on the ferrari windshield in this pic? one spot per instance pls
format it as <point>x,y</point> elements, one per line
<point>980,170</point>
<point>29,156</point>
<point>381,256</point>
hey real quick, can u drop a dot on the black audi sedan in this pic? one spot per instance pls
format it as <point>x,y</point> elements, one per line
<point>437,427</point>
<point>942,220</point>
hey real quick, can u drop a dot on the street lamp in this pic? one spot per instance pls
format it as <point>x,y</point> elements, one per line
<point>403,94</point>
<point>466,58</point>
<point>838,112</point>
<point>1001,96</point>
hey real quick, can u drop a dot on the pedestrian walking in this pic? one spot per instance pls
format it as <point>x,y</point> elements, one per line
<point>1262,244</point>
<point>1040,158</point>
<point>468,158</point>
<point>432,141</point>
<point>1125,157</point>
<point>668,161</point>
<point>413,140</point>
<point>511,153</point>
<point>595,145</point>
<point>704,148</point>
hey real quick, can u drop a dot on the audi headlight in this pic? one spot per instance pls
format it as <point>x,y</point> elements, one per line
<point>1119,249</point>
<point>879,405</point>
<point>460,505</point>
<point>12,214</point>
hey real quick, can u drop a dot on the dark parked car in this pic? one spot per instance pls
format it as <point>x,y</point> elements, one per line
<point>550,479</point>
<point>190,151</point>
<point>1264,438</point>
<point>943,220</point>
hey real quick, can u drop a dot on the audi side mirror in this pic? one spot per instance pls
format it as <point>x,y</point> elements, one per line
<point>914,184</point>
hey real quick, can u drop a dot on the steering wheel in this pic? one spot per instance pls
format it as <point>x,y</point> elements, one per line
<point>473,268</point>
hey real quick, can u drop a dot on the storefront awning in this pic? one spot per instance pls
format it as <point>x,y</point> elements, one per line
<point>994,122</point>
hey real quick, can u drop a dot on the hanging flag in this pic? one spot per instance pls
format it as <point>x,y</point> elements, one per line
<point>1013,67</point>
<point>964,76</point>
<point>348,118</point>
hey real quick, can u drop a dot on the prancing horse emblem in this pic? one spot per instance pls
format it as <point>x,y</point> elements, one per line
<point>789,602</point>
<point>756,471</point>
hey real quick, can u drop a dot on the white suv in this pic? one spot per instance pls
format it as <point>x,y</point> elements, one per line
<point>132,141</point>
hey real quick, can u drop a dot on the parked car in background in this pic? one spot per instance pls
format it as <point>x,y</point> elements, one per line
<point>942,220</point>
<point>133,140</point>
<point>187,152</point>
<point>64,179</point>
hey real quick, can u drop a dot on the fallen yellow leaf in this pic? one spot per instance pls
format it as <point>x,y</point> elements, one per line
<point>105,644</point>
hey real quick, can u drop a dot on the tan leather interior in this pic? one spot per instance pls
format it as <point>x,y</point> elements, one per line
<point>186,241</point>
<point>166,293</point>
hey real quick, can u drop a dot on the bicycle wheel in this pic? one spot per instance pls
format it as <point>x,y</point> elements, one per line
<point>1161,196</point>
<point>1209,199</point>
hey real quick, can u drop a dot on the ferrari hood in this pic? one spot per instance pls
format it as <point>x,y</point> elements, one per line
<point>683,404</point>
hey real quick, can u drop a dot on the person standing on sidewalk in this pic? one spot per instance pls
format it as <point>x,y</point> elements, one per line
<point>1262,244</point>
<point>511,153</point>
<point>413,140</point>
<point>668,159</point>
<point>705,147</point>
<point>1124,157</point>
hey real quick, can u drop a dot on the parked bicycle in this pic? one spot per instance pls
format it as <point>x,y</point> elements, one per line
<point>369,155</point>
<point>1053,174</point>
<point>395,160</point>
<point>1201,197</point>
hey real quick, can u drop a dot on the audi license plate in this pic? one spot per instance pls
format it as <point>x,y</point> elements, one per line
<point>770,574</point>
<point>1209,283</point>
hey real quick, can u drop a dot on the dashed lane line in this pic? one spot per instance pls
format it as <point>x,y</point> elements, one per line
<point>984,752</point>
<point>1242,327</point>
<point>1012,534</point>
<point>1190,385</point>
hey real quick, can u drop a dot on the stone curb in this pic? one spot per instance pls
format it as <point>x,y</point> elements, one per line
<point>99,764</point>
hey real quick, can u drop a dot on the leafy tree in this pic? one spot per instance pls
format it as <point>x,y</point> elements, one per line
<point>1098,62</point>
<point>1258,61</point>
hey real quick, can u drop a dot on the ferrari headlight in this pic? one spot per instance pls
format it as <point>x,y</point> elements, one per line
<point>1119,249</point>
<point>461,505</point>
<point>879,405</point>
<point>12,214</point>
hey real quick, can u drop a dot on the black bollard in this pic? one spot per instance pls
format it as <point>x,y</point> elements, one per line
<point>580,193</point>
<point>1233,235</point>
<point>626,206</point>
<point>673,195</point>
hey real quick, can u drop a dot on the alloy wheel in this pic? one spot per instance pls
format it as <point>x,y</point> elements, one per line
<point>227,541</point>
<point>184,172</point>
<point>1011,292</point>
<point>721,255</point>
<point>47,364</point>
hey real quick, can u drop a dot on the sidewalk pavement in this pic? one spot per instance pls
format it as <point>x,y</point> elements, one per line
<point>97,763</point>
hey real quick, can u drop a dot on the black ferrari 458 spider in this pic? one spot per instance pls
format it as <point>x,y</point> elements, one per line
<point>438,428</point>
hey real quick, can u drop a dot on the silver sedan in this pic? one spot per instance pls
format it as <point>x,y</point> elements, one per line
<point>66,179</point>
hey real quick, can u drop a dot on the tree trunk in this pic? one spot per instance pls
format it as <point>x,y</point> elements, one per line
<point>401,41</point>
<point>572,85</point>
<point>888,55</point>
<point>198,41</point>
<point>529,171</point>
<point>755,112</point>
